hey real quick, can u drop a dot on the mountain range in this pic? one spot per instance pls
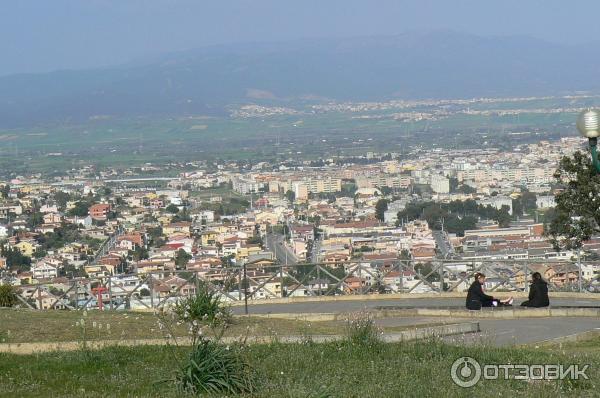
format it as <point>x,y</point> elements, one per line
<point>208,80</point>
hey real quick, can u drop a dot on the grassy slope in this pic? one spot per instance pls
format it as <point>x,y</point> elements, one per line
<point>19,326</point>
<point>294,370</point>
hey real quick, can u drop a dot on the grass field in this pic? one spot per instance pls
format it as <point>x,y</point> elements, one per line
<point>420,369</point>
<point>304,369</point>
<point>22,326</point>
<point>28,326</point>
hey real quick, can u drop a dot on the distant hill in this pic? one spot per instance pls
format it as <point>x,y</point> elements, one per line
<point>207,80</point>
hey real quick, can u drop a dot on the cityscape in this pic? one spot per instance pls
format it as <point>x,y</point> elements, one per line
<point>378,226</point>
<point>303,200</point>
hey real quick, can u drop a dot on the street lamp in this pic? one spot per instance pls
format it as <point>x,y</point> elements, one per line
<point>588,124</point>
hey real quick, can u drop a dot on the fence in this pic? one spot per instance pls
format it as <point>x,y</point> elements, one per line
<point>256,282</point>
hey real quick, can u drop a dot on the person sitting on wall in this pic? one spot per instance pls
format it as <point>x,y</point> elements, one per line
<point>476,298</point>
<point>538,292</point>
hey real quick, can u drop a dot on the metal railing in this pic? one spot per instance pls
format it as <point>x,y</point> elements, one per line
<point>254,282</point>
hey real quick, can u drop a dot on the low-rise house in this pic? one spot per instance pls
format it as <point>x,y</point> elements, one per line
<point>99,211</point>
<point>297,290</point>
<point>52,218</point>
<point>183,227</point>
<point>173,286</point>
<point>27,248</point>
<point>318,285</point>
<point>398,281</point>
<point>44,270</point>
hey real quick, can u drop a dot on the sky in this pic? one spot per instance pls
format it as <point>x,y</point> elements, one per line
<point>46,35</point>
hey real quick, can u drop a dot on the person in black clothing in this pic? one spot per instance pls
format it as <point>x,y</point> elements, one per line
<point>476,298</point>
<point>538,292</point>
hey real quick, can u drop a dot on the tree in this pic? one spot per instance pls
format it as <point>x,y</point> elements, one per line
<point>70,270</point>
<point>182,258</point>
<point>466,189</point>
<point>426,271</point>
<point>80,209</point>
<point>36,218</point>
<point>15,260</point>
<point>517,206</point>
<point>61,199</point>
<point>503,217</point>
<point>380,209</point>
<point>453,184</point>
<point>139,253</point>
<point>172,209</point>
<point>577,211</point>
<point>255,240</point>
<point>5,191</point>
<point>290,195</point>
<point>8,296</point>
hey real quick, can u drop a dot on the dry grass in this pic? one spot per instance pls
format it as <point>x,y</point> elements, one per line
<point>20,326</point>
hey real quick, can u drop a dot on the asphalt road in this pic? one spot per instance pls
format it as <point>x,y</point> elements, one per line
<point>443,244</point>
<point>283,254</point>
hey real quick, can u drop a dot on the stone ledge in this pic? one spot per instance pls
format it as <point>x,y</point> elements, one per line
<point>445,313</point>
<point>405,335</point>
<point>399,296</point>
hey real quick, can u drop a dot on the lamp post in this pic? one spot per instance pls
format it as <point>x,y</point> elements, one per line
<point>588,124</point>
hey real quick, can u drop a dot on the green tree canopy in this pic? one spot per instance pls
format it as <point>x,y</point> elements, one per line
<point>380,209</point>
<point>182,258</point>
<point>172,209</point>
<point>577,212</point>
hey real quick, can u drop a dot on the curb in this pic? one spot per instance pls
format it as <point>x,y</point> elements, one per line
<point>405,335</point>
<point>397,296</point>
<point>447,313</point>
<point>572,338</point>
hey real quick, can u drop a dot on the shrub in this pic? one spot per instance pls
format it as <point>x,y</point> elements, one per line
<point>203,308</point>
<point>361,330</point>
<point>8,296</point>
<point>215,368</point>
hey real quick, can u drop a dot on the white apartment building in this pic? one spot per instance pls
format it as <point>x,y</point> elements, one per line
<point>392,181</point>
<point>497,202</point>
<point>440,184</point>
<point>245,186</point>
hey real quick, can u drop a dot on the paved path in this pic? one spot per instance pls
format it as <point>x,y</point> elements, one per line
<point>356,305</point>
<point>506,332</point>
<point>496,332</point>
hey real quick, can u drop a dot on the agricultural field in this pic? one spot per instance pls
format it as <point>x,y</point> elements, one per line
<point>305,135</point>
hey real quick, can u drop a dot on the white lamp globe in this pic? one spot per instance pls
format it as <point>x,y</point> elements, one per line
<point>588,123</point>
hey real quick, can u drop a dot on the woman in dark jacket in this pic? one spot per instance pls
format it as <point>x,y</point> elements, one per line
<point>538,292</point>
<point>476,298</point>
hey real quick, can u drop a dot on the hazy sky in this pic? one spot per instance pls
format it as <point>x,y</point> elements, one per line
<point>44,35</point>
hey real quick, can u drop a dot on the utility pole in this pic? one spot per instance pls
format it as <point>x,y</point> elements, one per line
<point>579,266</point>
<point>245,291</point>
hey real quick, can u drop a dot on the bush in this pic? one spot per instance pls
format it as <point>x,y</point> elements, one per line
<point>205,307</point>
<point>8,296</point>
<point>214,368</point>
<point>361,330</point>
